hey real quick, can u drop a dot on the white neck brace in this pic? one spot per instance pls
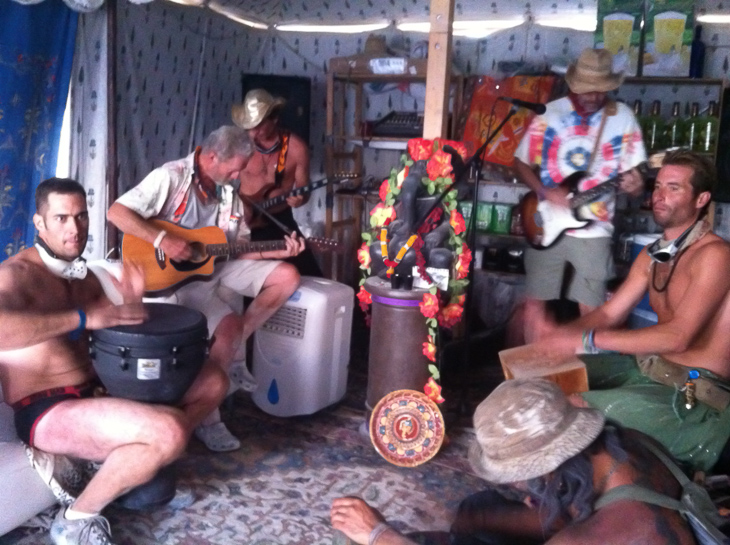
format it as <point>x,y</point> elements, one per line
<point>63,268</point>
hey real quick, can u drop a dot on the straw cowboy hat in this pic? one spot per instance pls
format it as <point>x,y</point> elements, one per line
<point>526,428</point>
<point>256,107</point>
<point>593,73</point>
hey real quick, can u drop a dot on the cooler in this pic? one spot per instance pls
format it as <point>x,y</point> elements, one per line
<point>643,315</point>
<point>301,353</point>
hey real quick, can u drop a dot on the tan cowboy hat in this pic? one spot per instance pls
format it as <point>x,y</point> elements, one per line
<point>593,73</point>
<point>257,105</point>
<point>527,428</point>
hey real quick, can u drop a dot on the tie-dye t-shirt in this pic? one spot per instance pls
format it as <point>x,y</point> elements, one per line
<point>561,142</point>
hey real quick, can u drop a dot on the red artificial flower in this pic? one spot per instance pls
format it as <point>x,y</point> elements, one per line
<point>460,147</point>
<point>429,349</point>
<point>384,190</point>
<point>456,220</point>
<point>439,165</point>
<point>429,306</point>
<point>364,297</point>
<point>462,263</point>
<point>431,221</point>
<point>450,315</point>
<point>420,148</point>
<point>383,214</point>
<point>433,390</point>
<point>363,256</point>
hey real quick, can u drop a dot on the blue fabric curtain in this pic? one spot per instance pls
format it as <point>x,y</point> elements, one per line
<point>36,54</point>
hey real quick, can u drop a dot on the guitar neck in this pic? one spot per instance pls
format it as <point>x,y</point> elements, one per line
<point>585,197</point>
<point>234,249</point>
<point>269,203</point>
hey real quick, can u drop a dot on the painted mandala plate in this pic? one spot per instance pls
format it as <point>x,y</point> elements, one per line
<point>406,428</point>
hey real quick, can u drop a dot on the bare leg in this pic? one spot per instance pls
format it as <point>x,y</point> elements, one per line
<point>134,440</point>
<point>281,283</point>
<point>585,309</point>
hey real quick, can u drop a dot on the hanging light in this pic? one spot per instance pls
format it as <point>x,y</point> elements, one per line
<point>576,21</point>
<point>336,29</point>
<point>232,14</point>
<point>467,29</point>
<point>718,18</point>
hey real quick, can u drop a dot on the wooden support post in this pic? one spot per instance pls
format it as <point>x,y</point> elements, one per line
<point>438,77</point>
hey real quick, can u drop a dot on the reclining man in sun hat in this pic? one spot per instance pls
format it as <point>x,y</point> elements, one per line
<point>547,462</point>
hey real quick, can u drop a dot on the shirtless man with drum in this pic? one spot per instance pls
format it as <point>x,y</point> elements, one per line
<point>48,300</point>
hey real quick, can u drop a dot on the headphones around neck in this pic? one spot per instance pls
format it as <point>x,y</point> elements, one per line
<point>667,253</point>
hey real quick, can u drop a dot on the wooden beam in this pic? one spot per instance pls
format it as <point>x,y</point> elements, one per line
<point>438,77</point>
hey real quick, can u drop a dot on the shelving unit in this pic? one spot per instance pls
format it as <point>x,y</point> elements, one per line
<point>346,142</point>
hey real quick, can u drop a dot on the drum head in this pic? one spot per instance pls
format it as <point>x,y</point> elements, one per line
<point>406,428</point>
<point>164,319</point>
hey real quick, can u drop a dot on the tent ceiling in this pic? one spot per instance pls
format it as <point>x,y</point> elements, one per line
<point>366,11</point>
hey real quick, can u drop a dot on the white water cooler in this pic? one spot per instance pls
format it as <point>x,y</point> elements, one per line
<point>301,353</point>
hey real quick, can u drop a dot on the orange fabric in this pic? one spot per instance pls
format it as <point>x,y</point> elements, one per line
<point>502,148</point>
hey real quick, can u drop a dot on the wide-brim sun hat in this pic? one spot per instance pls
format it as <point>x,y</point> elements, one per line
<point>527,428</point>
<point>593,73</point>
<point>256,106</point>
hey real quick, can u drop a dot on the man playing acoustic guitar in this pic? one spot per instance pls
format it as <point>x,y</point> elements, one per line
<point>280,164</point>
<point>581,132</point>
<point>196,192</point>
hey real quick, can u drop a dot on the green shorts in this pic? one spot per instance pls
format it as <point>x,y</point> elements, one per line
<point>590,257</point>
<point>693,436</point>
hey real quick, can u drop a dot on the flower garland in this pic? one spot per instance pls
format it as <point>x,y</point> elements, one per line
<point>439,309</point>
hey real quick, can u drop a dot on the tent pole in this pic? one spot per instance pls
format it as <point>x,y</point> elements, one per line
<point>112,174</point>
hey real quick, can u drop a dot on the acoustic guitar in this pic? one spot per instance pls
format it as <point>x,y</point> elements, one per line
<point>208,244</point>
<point>544,222</point>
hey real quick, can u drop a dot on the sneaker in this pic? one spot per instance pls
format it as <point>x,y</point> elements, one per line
<point>217,437</point>
<point>184,497</point>
<point>88,531</point>
<point>241,378</point>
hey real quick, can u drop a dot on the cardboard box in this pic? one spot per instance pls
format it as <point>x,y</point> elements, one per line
<point>530,362</point>
<point>361,65</point>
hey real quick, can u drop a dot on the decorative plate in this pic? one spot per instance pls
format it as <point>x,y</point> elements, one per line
<point>406,428</point>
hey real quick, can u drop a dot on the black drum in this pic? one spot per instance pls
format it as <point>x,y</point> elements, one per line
<point>156,361</point>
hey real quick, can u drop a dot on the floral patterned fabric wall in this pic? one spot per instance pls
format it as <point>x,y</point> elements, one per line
<point>172,58</point>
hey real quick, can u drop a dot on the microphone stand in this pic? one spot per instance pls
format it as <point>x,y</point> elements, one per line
<point>478,159</point>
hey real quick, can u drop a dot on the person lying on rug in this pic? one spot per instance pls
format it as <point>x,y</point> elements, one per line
<point>48,302</point>
<point>547,463</point>
<point>669,380</point>
<point>196,192</point>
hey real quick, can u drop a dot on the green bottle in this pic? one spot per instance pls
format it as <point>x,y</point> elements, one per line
<point>653,128</point>
<point>709,125</point>
<point>674,133</point>
<point>692,134</point>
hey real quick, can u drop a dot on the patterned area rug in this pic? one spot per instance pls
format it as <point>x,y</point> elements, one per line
<point>277,489</point>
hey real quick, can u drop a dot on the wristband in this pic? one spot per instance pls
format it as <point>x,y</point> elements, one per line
<point>159,238</point>
<point>376,533</point>
<point>75,335</point>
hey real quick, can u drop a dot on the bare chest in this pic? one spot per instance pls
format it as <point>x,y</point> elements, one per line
<point>668,284</point>
<point>258,180</point>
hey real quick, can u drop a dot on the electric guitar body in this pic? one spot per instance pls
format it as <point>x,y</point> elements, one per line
<point>544,222</point>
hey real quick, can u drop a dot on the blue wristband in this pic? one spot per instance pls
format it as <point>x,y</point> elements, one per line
<point>75,335</point>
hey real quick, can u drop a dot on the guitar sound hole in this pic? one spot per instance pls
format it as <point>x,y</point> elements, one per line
<point>198,249</point>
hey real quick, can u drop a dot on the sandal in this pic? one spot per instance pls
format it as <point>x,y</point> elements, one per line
<point>241,378</point>
<point>217,437</point>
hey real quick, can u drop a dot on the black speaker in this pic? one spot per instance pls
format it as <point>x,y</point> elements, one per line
<point>296,90</point>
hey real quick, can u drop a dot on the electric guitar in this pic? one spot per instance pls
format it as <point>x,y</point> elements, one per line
<point>274,201</point>
<point>207,243</point>
<point>544,222</point>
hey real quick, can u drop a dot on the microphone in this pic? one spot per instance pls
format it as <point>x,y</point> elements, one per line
<point>534,106</point>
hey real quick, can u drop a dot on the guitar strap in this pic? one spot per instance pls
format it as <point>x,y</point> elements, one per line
<point>609,110</point>
<point>263,211</point>
<point>281,161</point>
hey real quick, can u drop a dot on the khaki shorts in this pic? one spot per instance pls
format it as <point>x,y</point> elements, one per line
<point>219,294</point>
<point>590,257</point>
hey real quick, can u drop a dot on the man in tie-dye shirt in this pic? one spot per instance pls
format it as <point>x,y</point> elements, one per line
<point>560,142</point>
